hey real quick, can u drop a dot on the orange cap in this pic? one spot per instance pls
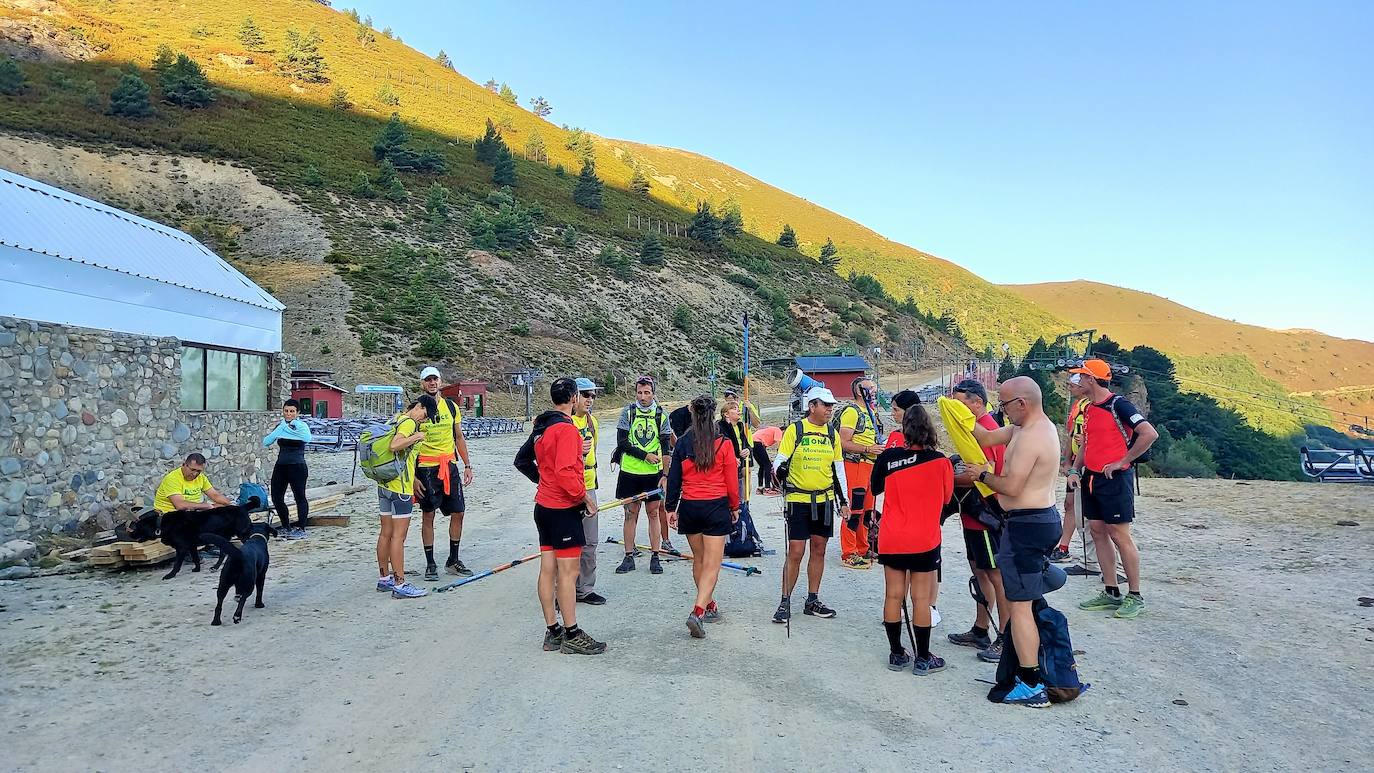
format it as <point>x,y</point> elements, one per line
<point>1094,368</point>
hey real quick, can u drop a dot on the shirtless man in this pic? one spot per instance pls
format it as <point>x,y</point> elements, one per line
<point>1026,490</point>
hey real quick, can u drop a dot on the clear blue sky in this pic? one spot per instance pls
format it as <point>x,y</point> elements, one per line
<point>1219,154</point>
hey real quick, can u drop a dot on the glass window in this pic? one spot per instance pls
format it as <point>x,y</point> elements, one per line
<point>221,380</point>
<point>252,382</point>
<point>306,406</point>
<point>192,379</point>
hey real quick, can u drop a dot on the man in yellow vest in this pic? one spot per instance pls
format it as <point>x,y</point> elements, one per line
<point>644,443</point>
<point>810,467</point>
<point>590,431</point>
<point>437,483</point>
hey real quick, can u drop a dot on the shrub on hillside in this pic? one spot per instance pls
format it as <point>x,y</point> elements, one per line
<point>12,79</point>
<point>682,318</point>
<point>651,250</point>
<point>1186,458</point>
<point>130,97</point>
<point>362,186</point>
<point>302,59</point>
<point>250,35</point>
<point>338,98</point>
<point>788,237</point>
<point>387,96</point>
<point>184,84</point>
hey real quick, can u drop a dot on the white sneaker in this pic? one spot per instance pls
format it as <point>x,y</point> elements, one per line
<point>934,617</point>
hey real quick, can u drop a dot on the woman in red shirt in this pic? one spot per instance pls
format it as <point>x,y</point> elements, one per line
<point>915,481</point>
<point>703,504</point>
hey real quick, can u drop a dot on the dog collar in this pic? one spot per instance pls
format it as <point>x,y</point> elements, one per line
<point>262,536</point>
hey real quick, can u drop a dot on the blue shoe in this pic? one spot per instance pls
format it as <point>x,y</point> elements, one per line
<point>1022,695</point>
<point>898,661</point>
<point>408,591</point>
<point>386,584</point>
<point>929,664</point>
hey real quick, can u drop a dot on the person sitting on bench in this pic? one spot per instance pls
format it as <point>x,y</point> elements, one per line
<point>187,488</point>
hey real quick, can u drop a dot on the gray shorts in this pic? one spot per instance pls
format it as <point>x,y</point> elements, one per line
<point>1023,557</point>
<point>393,505</point>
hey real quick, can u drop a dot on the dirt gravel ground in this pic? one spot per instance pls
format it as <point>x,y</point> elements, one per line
<point>1253,655</point>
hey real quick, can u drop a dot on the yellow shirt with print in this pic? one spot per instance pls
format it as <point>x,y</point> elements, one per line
<point>748,411</point>
<point>1076,427</point>
<point>175,483</point>
<point>588,428</point>
<point>405,485</point>
<point>811,464</point>
<point>439,434</point>
<point>849,419</point>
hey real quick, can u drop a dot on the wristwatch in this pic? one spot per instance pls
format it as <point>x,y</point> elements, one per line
<point>981,476</point>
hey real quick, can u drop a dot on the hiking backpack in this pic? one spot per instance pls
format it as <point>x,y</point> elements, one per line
<point>375,457</point>
<point>744,540</point>
<point>1058,670</point>
<point>248,491</point>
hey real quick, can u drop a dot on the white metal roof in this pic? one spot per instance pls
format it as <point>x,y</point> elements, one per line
<point>50,221</point>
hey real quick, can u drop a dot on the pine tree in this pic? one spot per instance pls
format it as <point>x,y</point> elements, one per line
<point>436,204</point>
<point>732,220</point>
<point>338,98</point>
<point>487,146</point>
<point>535,149</point>
<point>184,83</point>
<point>503,168</point>
<point>639,184</point>
<point>507,95</point>
<point>1006,370</point>
<point>788,237</point>
<point>829,257</point>
<point>312,176</point>
<point>163,58</point>
<point>705,226</point>
<point>491,85</point>
<point>540,107</point>
<point>250,35</point>
<point>386,174</point>
<point>392,138</point>
<point>302,59</point>
<point>587,192</point>
<point>11,78</point>
<point>651,250</point>
<point>130,97</point>
<point>362,186</point>
<point>443,60</point>
<point>387,96</point>
<point>395,191</point>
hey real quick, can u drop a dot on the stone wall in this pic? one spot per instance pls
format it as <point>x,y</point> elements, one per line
<point>90,420</point>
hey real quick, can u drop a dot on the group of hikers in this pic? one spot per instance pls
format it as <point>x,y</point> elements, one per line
<point>889,491</point>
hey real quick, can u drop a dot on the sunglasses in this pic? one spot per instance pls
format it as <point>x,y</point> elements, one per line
<point>588,395</point>
<point>1006,403</point>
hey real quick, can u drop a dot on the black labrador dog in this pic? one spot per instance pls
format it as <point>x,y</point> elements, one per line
<point>245,568</point>
<point>182,529</point>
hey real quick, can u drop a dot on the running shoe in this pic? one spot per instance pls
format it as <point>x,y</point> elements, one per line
<point>1023,695</point>
<point>970,639</point>
<point>553,640</point>
<point>655,566</point>
<point>386,584</point>
<point>667,547</point>
<point>929,664</point>
<point>712,615</point>
<point>855,562</point>
<point>1102,602</point>
<point>993,654</point>
<point>431,573</point>
<point>458,567</point>
<point>1081,571</point>
<point>1060,556</point>
<point>628,565</point>
<point>582,644</point>
<point>408,591</point>
<point>935,617</point>
<point>594,599</point>
<point>1130,608</point>
<point>818,608</point>
<point>697,626</point>
<point>898,661</point>
<point>784,612</point>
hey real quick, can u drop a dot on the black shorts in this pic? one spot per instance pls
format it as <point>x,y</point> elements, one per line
<point>1024,555</point>
<point>560,527</point>
<point>710,517</point>
<point>981,546</point>
<point>928,561</point>
<point>631,484</point>
<point>801,525</point>
<point>1110,500</point>
<point>434,497</point>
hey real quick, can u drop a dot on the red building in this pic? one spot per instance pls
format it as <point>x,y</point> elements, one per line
<point>317,396</point>
<point>471,396</point>
<point>837,372</point>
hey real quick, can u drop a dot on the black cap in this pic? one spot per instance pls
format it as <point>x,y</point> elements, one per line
<point>905,399</point>
<point>972,386</point>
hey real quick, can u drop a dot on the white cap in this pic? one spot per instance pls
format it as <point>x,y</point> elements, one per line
<point>429,371</point>
<point>819,393</point>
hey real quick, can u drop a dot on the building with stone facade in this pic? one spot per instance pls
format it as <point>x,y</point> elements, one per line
<point>124,346</point>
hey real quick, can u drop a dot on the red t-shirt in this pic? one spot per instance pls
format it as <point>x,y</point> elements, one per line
<point>995,455</point>
<point>686,481</point>
<point>558,451</point>
<point>1103,442</point>
<point>917,483</point>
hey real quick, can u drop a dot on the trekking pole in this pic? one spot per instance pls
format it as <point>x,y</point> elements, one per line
<point>748,480</point>
<point>906,618</point>
<point>748,570</point>
<point>487,573</point>
<point>628,500</point>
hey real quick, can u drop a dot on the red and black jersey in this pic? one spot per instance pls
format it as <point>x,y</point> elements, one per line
<point>1109,431</point>
<point>916,482</point>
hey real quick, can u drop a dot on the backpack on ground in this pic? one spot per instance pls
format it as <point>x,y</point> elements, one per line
<point>248,491</point>
<point>1058,670</point>
<point>375,457</point>
<point>744,540</point>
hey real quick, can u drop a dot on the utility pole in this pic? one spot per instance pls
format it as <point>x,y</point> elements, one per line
<point>712,361</point>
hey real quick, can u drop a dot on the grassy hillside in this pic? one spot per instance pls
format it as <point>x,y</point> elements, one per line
<point>1260,371</point>
<point>434,98</point>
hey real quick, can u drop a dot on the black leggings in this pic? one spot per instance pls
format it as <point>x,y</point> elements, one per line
<point>294,475</point>
<point>764,464</point>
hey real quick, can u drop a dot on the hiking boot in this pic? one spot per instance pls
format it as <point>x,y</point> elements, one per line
<point>655,566</point>
<point>898,661</point>
<point>1102,602</point>
<point>386,584</point>
<point>712,615</point>
<point>929,664</point>
<point>457,567</point>
<point>595,599</point>
<point>431,573</point>
<point>696,626</point>
<point>1023,695</point>
<point>1130,607</point>
<point>784,612</point>
<point>628,565</point>
<point>553,640</point>
<point>970,639</point>
<point>582,644</point>
<point>1081,571</point>
<point>993,654</point>
<point>408,591</point>
<point>1060,556</point>
<point>818,609</point>
<point>667,547</point>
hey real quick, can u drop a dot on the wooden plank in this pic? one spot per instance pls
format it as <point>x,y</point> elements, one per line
<point>333,519</point>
